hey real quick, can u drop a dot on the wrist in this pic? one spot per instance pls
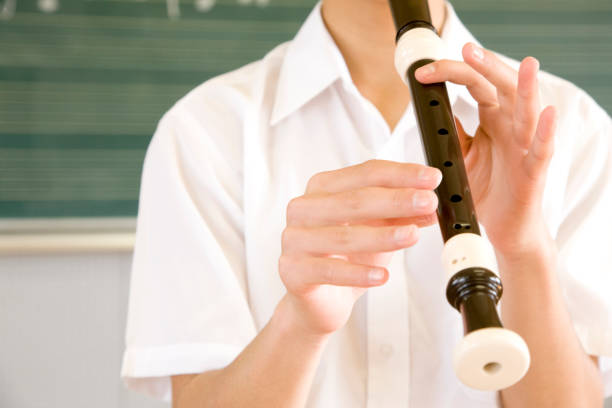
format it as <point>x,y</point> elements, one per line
<point>534,244</point>
<point>289,322</point>
<point>536,259</point>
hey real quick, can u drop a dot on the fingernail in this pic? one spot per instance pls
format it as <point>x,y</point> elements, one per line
<point>437,176</point>
<point>425,70</point>
<point>421,200</point>
<point>431,174</point>
<point>376,275</point>
<point>404,234</point>
<point>478,53</point>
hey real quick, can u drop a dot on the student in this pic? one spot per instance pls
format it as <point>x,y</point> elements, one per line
<point>276,201</point>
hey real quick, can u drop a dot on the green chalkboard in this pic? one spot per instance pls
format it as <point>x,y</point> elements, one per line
<point>84,82</point>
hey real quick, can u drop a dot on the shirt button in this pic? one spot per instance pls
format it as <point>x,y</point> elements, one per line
<point>386,350</point>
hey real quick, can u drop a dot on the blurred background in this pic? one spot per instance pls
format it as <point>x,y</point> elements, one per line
<point>82,86</point>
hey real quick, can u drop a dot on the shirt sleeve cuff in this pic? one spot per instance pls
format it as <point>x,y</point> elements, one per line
<point>148,369</point>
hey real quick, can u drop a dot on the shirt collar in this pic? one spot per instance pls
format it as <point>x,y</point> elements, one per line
<point>313,62</point>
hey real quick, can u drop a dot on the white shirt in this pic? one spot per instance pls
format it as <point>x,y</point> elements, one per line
<point>226,160</point>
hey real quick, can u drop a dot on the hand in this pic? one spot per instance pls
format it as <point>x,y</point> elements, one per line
<point>508,157</point>
<point>341,232</point>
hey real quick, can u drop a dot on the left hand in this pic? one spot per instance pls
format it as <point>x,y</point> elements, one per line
<point>508,157</point>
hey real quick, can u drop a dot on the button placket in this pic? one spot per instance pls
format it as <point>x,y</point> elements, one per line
<point>388,340</point>
<point>387,322</point>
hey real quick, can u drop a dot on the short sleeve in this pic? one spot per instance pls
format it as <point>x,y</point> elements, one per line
<point>188,308</point>
<point>584,237</point>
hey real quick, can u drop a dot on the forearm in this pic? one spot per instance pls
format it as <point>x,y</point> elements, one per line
<point>274,370</point>
<point>329,259</point>
<point>561,373</point>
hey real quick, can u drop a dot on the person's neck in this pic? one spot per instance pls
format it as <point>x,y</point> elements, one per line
<point>365,35</point>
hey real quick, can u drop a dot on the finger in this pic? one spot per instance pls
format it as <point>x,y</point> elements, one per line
<point>347,239</point>
<point>465,140</point>
<point>381,173</point>
<point>420,221</point>
<point>355,206</point>
<point>527,105</point>
<point>485,62</point>
<point>537,159</point>
<point>301,273</point>
<point>459,73</point>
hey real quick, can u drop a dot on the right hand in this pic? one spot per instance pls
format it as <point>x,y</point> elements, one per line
<point>341,233</point>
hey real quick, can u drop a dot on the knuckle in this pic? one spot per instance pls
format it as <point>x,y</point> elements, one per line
<point>294,209</point>
<point>521,119</point>
<point>291,273</point>
<point>352,200</point>
<point>382,173</point>
<point>369,169</point>
<point>476,81</point>
<point>400,198</point>
<point>371,164</point>
<point>372,169</point>
<point>342,235</point>
<point>312,183</point>
<point>287,237</point>
<point>525,92</point>
<point>285,266</point>
<point>378,177</point>
<point>317,182</point>
<point>403,174</point>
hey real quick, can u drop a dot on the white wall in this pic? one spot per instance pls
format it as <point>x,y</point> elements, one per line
<point>62,320</point>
